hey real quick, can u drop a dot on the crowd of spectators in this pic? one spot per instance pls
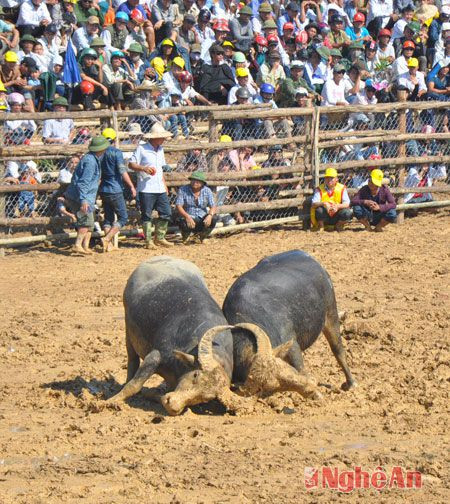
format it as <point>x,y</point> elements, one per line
<point>147,54</point>
<point>221,51</point>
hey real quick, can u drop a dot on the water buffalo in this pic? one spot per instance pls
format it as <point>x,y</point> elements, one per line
<point>286,301</point>
<point>179,331</point>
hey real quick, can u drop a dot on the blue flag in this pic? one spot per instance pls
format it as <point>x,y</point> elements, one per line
<point>71,73</point>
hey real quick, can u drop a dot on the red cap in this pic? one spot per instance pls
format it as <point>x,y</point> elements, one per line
<point>359,16</point>
<point>262,41</point>
<point>384,33</point>
<point>302,37</point>
<point>288,26</point>
<point>409,43</point>
<point>221,25</point>
<point>272,38</point>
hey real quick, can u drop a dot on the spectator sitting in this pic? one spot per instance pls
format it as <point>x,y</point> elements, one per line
<point>193,161</point>
<point>196,207</point>
<point>242,77</point>
<point>330,203</point>
<point>9,35</point>
<point>115,35</point>
<point>58,131</point>
<point>65,174</point>
<point>83,37</point>
<point>271,72</point>
<point>85,9</point>
<point>217,78</point>
<point>119,78</point>
<point>374,204</point>
<point>33,17</point>
<point>301,101</point>
<point>333,92</point>
<point>10,73</point>
<point>418,178</point>
<point>188,94</point>
<point>177,119</point>
<point>413,81</point>
<point>18,131</point>
<point>29,176</point>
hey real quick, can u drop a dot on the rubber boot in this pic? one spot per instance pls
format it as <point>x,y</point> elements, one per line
<point>147,226</point>
<point>160,233</point>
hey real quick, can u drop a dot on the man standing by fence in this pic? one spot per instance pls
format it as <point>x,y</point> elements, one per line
<point>82,191</point>
<point>148,160</point>
<point>113,174</point>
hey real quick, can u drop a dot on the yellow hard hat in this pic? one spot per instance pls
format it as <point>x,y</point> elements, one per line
<point>227,43</point>
<point>2,87</point>
<point>109,133</point>
<point>377,176</point>
<point>11,57</point>
<point>159,65</point>
<point>413,62</point>
<point>179,61</point>
<point>168,42</point>
<point>242,72</point>
<point>331,172</point>
<point>225,138</point>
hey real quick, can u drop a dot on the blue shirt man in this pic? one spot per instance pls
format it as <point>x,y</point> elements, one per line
<point>82,192</point>
<point>84,185</point>
<point>112,169</point>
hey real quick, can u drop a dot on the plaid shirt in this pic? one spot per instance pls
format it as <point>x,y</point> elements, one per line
<point>197,208</point>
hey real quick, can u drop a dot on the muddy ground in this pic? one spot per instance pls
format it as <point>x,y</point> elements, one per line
<point>62,350</point>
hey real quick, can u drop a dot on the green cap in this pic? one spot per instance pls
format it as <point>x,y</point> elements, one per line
<point>414,26</point>
<point>323,52</point>
<point>97,42</point>
<point>28,38</point>
<point>88,52</point>
<point>265,7</point>
<point>198,175</point>
<point>60,101</point>
<point>357,45</point>
<point>335,52</point>
<point>246,10</point>
<point>239,57</point>
<point>135,47</point>
<point>270,23</point>
<point>98,143</point>
<point>339,68</point>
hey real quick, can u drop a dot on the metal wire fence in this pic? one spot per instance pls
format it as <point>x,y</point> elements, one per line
<point>276,156</point>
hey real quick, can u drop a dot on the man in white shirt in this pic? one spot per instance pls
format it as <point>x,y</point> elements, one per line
<point>33,17</point>
<point>378,15</point>
<point>58,131</point>
<point>413,80</point>
<point>148,160</point>
<point>333,92</point>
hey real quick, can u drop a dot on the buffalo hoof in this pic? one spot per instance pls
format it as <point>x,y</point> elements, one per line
<point>346,386</point>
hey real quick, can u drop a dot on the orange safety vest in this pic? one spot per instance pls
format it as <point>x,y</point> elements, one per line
<point>333,197</point>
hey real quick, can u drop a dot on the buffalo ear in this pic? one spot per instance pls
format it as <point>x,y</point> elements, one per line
<point>188,359</point>
<point>281,350</point>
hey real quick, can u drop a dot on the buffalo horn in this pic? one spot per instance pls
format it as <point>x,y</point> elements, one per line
<point>262,340</point>
<point>205,353</point>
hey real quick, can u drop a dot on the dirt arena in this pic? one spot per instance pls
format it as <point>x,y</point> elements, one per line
<point>62,348</point>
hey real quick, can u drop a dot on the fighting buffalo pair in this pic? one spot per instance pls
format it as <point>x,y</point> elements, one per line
<point>270,315</point>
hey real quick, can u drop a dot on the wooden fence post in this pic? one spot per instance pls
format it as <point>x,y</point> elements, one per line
<point>315,150</point>
<point>213,136</point>
<point>401,97</point>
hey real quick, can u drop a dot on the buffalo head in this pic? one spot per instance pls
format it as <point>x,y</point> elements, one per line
<point>269,373</point>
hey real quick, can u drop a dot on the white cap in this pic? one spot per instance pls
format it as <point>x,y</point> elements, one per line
<point>57,60</point>
<point>446,10</point>
<point>445,26</point>
<point>31,165</point>
<point>297,63</point>
<point>301,90</point>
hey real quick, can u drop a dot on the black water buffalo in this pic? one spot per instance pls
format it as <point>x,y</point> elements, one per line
<point>175,326</point>
<point>286,301</point>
